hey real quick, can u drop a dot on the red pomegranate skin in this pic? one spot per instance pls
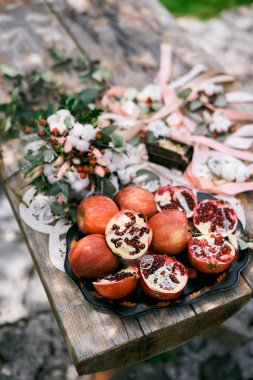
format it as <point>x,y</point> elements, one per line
<point>116,290</point>
<point>170,232</point>
<point>136,199</point>
<point>94,212</point>
<point>91,258</point>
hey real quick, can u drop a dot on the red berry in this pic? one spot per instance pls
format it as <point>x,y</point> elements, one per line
<point>91,169</point>
<point>89,155</point>
<point>85,169</point>
<point>27,129</point>
<point>93,162</point>
<point>79,169</point>
<point>41,133</point>
<point>99,136</point>
<point>56,131</point>
<point>102,151</point>
<point>43,122</point>
<point>148,103</point>
<point>142,134</point>
<point>52,139</point>
<point>83,175</point>
<point>72,155</point>
<point>80,153</point>
<point>106,170</point>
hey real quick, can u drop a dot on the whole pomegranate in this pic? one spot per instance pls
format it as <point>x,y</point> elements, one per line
<point>128,234</point>
<point>210,253</point>
<point>211,216</point>
<point>170,232</point>
<point>91,258</point>
<point>162,277</point>
<point>136,199</point>
<point>118,285</point>
<point>176,198</point>
<point>94,212</point>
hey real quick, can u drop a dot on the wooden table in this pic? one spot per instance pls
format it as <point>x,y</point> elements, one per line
<point>127,39</point>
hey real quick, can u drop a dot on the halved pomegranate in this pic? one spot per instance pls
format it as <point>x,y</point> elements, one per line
<point>118,285</point>
<point>212,216</point>
<point>128,234</point>
<point>176,198</point>
<point>162,277</point>
<point>210,253</point>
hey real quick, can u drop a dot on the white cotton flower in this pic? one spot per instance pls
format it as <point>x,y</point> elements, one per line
<point>80,184</point>
<point>82,145</point>
<point>228,172</point>
<point>159,128</point>
<point>126,175</point>
<point>71,176</point>
<point>77,130</point>
<point>219,123</point>
<point>241,174</point>
<point>51,173</point>
<point>152,92</point>
<point>131,109</point>
<point>57,120</point>
<point>130,93</point>
<point>211,89</point>
<point>88,133</point>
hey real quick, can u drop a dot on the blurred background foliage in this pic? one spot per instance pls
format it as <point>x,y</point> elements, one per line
<point>202,9</point>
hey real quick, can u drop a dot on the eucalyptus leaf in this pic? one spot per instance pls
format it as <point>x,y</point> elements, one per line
<point>151,176</point>
<point>9,70</point>
<point>242,244</point>
<point>48,155</point>
<point>185,93</point>
<point>151,137</point>
<point>195,105</point>
<point>108,188</point>
<point>220,101</point>
<point>135,140</point>
<point>117,140</point>
<point>101,75</point>
<point>201,129</point>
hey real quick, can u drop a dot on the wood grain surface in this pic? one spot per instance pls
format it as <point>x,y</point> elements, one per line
<point>127,39</point>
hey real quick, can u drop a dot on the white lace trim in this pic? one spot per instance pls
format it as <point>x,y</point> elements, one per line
<point>39,217</point>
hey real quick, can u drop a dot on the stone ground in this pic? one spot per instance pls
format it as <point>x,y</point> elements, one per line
<point>31,346</point>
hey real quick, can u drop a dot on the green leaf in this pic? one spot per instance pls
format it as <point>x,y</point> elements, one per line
<point>201,129</point>
<point>242,244</point>
<point>151,137</point>
<point>150,175</point>
<point>101,75</point>
<point>195,105</point>
<point>7,124</point>
<point>220,101</point>
<point>109,130</point>
<point>88,95</point>
<point>9,70</point>
<point>108,187</point>
<point>117,140</point>
<point>185,93</point>
<point>57,208</point>
<point>48,155</point>
<point>135,140</point>
<point>56,54</point>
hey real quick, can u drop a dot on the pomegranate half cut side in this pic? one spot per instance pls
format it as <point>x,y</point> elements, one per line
<point>212,216</point>
<point>176,198</point>
<point>118,285</point>
<point>128,234</point>
<point>162,277</point>
<point>210,253</point>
